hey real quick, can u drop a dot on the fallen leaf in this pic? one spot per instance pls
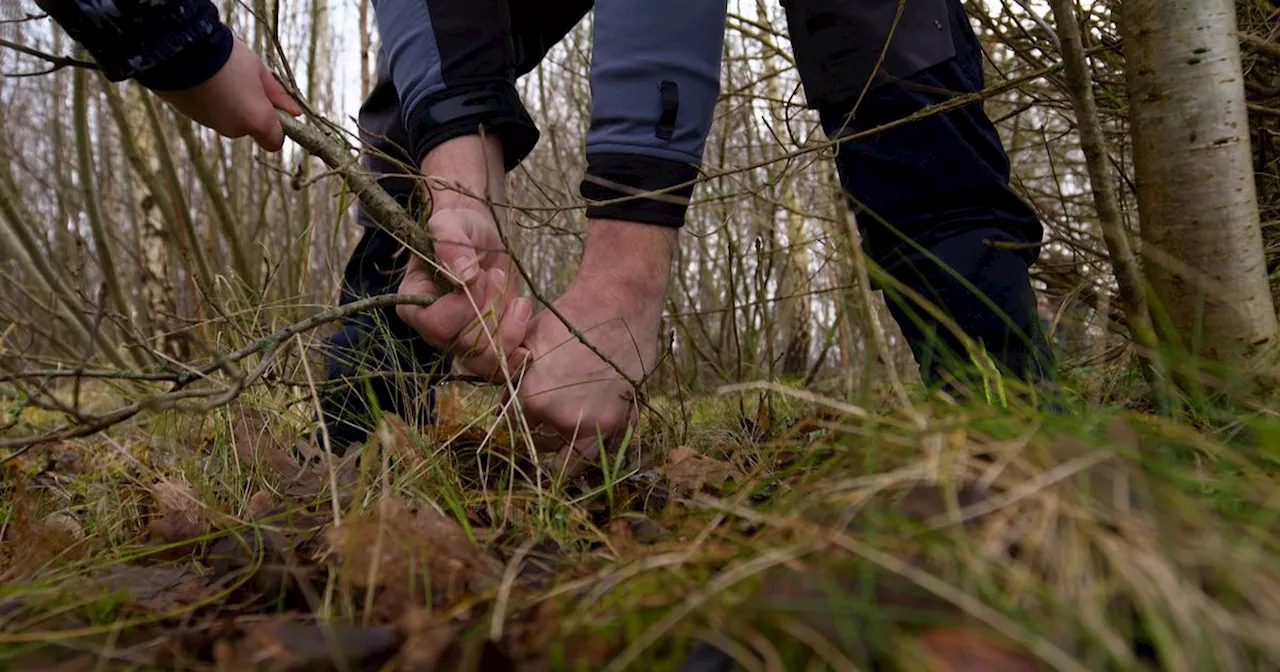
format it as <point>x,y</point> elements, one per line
<point>427,636</point>
<point>395,438</point>
<point>1123,435</point>
<point>34,539</point>
<point>258,442</point>
<point>400,548</point>
<point>687,469</point>
<point>179,517</point>
<point>260,503</point>
<point>270,551</point>
<point>161,589</point>
<point>289,645</point>
<point>962,650</point>
<point>620,534</point>
<point>63,523</point>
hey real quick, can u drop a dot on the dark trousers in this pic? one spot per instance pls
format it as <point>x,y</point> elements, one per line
<point>375,362</point>
<point>931,197</point>
<point>934,207</point>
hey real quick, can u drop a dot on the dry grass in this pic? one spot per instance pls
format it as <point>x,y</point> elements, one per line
<point>983,538</point>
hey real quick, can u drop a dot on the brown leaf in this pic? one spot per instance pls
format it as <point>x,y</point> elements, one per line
<point>34,539</point>
<point>64,523</point>
<point>395,438</point>
<point>620,534</point>
<point>258,442</point>
<point>399,548</point>
<point>288,645</point>
<point>157,588</point>
<point>270,551</point>
<point>260,503</point>
<point>961,650</point>
<point>689,470</point>
<point>1124,435</point>
<point>179,517</point>
<point>427,636</point>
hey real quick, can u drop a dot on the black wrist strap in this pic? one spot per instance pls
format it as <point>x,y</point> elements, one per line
<point>463,110</point>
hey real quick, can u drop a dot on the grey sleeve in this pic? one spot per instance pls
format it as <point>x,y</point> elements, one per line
<point>453,67</point>
<point>655,79</point>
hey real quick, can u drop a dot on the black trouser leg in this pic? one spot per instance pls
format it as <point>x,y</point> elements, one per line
<point>931,196</point>
<point>375,362</point>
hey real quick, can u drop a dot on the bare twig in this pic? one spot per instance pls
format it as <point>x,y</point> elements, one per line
<point>267,345</point>
<point>58,62</point>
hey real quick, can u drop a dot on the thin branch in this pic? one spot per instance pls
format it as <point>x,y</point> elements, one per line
<point>58,62</point>
<point>267,346</point>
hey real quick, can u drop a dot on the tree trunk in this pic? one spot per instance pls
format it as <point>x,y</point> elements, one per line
<point>366,45</point>
<point>1123,262</point>
<point>1201,239</point>
<point>159,293</point>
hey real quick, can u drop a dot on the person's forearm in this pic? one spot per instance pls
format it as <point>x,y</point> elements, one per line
<point>628,261</point>
<point>467,172</point>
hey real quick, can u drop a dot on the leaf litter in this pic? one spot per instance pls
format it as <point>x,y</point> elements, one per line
<point>404,585</point>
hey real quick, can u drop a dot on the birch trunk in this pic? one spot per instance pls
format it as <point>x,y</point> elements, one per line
<point>159,293</point>
<point>366,45</point>
<point>1201,239</point>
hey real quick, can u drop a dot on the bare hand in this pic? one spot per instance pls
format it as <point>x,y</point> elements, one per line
<point>574,401</point>
<point>478,320</point>
<point>240,100</point>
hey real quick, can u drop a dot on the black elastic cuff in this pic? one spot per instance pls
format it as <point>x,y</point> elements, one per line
<point>462,110</point>
<point>613,176</point>
<point>193,65</point>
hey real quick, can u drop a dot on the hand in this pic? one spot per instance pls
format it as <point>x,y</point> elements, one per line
<point>478,320</point>
<point>241,99</point>
<point>573,400</point>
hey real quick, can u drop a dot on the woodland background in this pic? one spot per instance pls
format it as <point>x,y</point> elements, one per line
<point>137,249</point>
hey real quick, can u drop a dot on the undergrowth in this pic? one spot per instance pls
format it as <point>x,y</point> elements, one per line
<point>775,529</point>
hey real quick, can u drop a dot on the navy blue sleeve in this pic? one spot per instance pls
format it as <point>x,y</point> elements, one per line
<point>164,45</point>
<point>655,78</point>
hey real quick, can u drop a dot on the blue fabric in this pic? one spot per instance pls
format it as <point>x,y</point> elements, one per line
<point>638,45</point>
<point>409,47</point>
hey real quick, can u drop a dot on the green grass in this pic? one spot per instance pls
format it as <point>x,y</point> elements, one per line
<point>1103,538</point>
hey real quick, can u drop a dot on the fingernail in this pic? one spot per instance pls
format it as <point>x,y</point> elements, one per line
<point>522,309</point>
<point>463,268</point>
<point>500,277</point>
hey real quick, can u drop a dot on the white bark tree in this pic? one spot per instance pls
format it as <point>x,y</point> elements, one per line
<point>1201,240</point>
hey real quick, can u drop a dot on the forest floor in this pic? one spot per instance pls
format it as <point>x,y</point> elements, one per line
<point>818,536</point>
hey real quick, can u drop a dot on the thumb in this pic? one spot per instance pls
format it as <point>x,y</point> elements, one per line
<point>278,95</point>
<point>267,131</point>
<point>456,233</point>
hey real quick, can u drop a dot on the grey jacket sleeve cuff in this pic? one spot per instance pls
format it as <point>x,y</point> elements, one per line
<point>493,108</point>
